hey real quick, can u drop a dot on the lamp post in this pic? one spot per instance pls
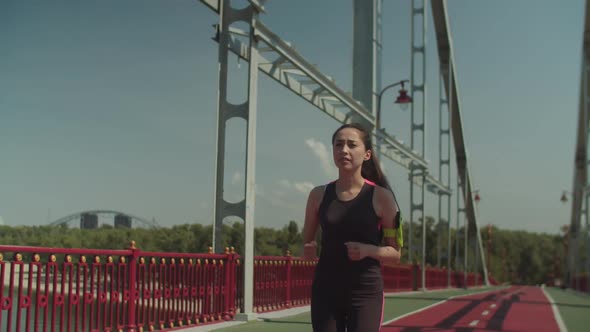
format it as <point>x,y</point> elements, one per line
<point>566,193</point>
<point>571,263</point>
<point>402,99</point>
<point>476,198</point>
<point>572,253</point>
<point>489,258</point>
<point>504,265</point>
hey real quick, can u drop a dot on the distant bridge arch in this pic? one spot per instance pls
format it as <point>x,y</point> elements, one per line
<point>132,219</point>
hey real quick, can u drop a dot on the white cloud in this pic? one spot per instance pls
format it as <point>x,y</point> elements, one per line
<point>285,183</point>
<point>236,178</point>
<point>275,197</point>
<point>302,187</point>
<point>322,152</point>
<point>279,193</point>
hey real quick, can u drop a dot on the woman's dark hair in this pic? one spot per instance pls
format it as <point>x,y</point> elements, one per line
<point>370,169</point>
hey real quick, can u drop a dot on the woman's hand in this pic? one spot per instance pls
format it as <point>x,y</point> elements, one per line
<point>310,250</point>
<point>357,250</point>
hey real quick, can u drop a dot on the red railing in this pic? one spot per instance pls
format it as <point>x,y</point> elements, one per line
<point>436,278</point>
<point>398,278</point>
<point>580,283</point>
<point>56,289</point>
<point>281,282</point>
<point>409,277</point>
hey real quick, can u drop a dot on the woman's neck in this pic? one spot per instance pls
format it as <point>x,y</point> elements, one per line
<point>350,181</point>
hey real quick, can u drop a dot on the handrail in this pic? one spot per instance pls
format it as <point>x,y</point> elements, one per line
<point>132,290</point>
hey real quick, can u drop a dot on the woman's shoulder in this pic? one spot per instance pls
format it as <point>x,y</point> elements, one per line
<point>383,194</point>
<point>318,191</point>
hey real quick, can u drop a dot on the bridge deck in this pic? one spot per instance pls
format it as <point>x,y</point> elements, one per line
<point>454,308</point>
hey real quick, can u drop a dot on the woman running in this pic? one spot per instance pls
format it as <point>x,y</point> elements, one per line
<point>357,215</point>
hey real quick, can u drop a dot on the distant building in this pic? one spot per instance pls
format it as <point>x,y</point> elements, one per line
<point>88,221</point>
<point>122,221</point>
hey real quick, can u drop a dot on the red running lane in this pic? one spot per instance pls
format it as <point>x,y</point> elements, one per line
<point>514,309</point>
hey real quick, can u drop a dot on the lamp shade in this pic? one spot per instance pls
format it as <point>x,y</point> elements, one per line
<point>563,198</point>
<point>403,99</point>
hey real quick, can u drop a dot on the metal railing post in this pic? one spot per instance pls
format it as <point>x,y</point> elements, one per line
<point>288,284</point>
<point>131,323</point>
<point>228,285</point>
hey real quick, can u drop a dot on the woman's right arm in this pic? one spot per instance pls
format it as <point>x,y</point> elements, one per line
<point>311,222</point>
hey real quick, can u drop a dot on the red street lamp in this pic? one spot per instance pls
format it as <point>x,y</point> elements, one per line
<point>403,100</point>
<point>565,193</point>
<point>563,198</point>
<point>476,196</point>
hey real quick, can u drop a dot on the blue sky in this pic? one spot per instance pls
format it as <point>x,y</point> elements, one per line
<point>112,105</point>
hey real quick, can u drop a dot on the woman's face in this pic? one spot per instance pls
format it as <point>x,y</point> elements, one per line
<point>348,149</point>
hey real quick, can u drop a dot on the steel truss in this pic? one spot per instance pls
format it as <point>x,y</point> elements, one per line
<point>446,59</point>
<point>444,161</point>
<point>418,130</point>
<point>267,52</point>
<point>581,186</point>
<point>281,62</point>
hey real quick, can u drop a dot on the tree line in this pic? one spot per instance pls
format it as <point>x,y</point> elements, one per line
<point>515,256</point>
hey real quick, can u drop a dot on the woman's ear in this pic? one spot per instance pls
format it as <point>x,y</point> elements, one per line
<point>368,155</point>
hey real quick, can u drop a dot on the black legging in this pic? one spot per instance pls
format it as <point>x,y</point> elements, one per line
<point>336,309</point>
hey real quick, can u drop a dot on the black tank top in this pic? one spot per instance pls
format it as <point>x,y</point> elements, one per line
<point>343,221</point>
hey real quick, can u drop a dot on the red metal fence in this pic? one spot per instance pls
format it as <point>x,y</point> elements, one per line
<point>580,282</point>
<point>281,282</point>
<point>56,289</point>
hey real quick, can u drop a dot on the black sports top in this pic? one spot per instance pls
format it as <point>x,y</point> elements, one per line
<point>343,221</point>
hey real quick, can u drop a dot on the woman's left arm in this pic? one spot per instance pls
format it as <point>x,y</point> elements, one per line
<point>389,254</point>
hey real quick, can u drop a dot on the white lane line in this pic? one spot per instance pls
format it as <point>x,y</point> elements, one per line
<point>485,313</point>
<point>440,302</point>
<point>558,319</point>
<point>473,323</point>
<point>413,312</point>
<point>493,305</point>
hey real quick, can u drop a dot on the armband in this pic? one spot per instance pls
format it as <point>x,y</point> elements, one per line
<point>389,232</point>
<point>396,234</point>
